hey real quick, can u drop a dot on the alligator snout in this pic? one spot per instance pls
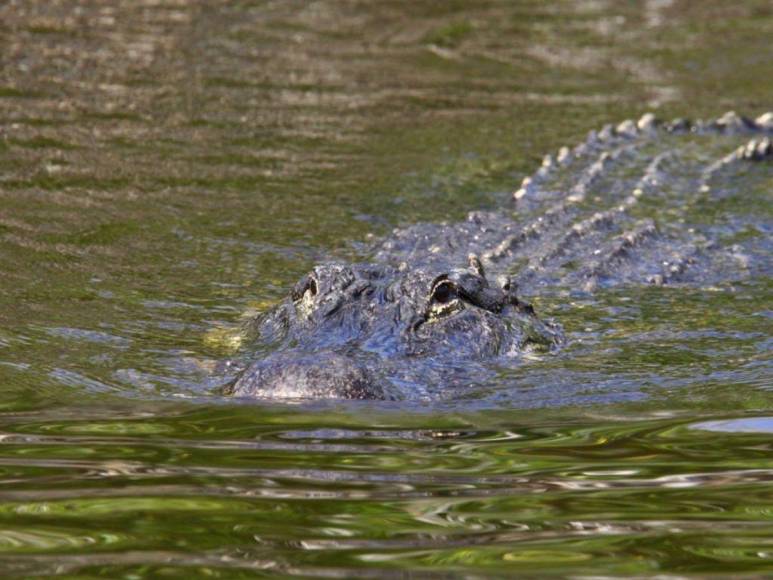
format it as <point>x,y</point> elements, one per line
<point>324,375</point>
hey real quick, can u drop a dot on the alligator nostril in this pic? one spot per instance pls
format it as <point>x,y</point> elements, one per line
<point>416,322</point>
<point>332,307</point>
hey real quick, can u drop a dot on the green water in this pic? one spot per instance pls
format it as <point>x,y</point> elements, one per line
<point>167,166</point>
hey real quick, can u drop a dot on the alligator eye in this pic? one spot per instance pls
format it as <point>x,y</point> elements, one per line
<point>444,292</point>
<point>444,300</point>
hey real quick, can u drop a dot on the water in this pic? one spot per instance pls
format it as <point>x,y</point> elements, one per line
<point>168,166</point>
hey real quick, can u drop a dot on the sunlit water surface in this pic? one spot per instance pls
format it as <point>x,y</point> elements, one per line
<point>168,166</point>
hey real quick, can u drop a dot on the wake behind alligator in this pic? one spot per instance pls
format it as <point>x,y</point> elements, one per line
<point>443,307</point>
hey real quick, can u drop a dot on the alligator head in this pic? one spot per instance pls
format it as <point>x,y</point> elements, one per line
<point>371,331</point>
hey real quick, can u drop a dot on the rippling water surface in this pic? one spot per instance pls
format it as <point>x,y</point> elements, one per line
<point>167,166</point>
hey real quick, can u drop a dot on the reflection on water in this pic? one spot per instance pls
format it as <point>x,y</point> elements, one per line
<point>168,166</point>
<point>569,492</point>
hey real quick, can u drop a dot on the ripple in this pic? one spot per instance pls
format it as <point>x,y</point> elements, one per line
<point>745,425</point>
<point>31,538</point>
<point>87,335</point>
<point>550,556</point>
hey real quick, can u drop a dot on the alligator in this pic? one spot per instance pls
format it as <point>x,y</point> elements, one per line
<point>440,307</point>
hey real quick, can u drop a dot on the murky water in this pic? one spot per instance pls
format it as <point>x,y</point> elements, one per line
<point>167,166</point>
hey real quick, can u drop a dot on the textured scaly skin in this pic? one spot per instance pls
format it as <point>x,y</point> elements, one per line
<point>439,309</point>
